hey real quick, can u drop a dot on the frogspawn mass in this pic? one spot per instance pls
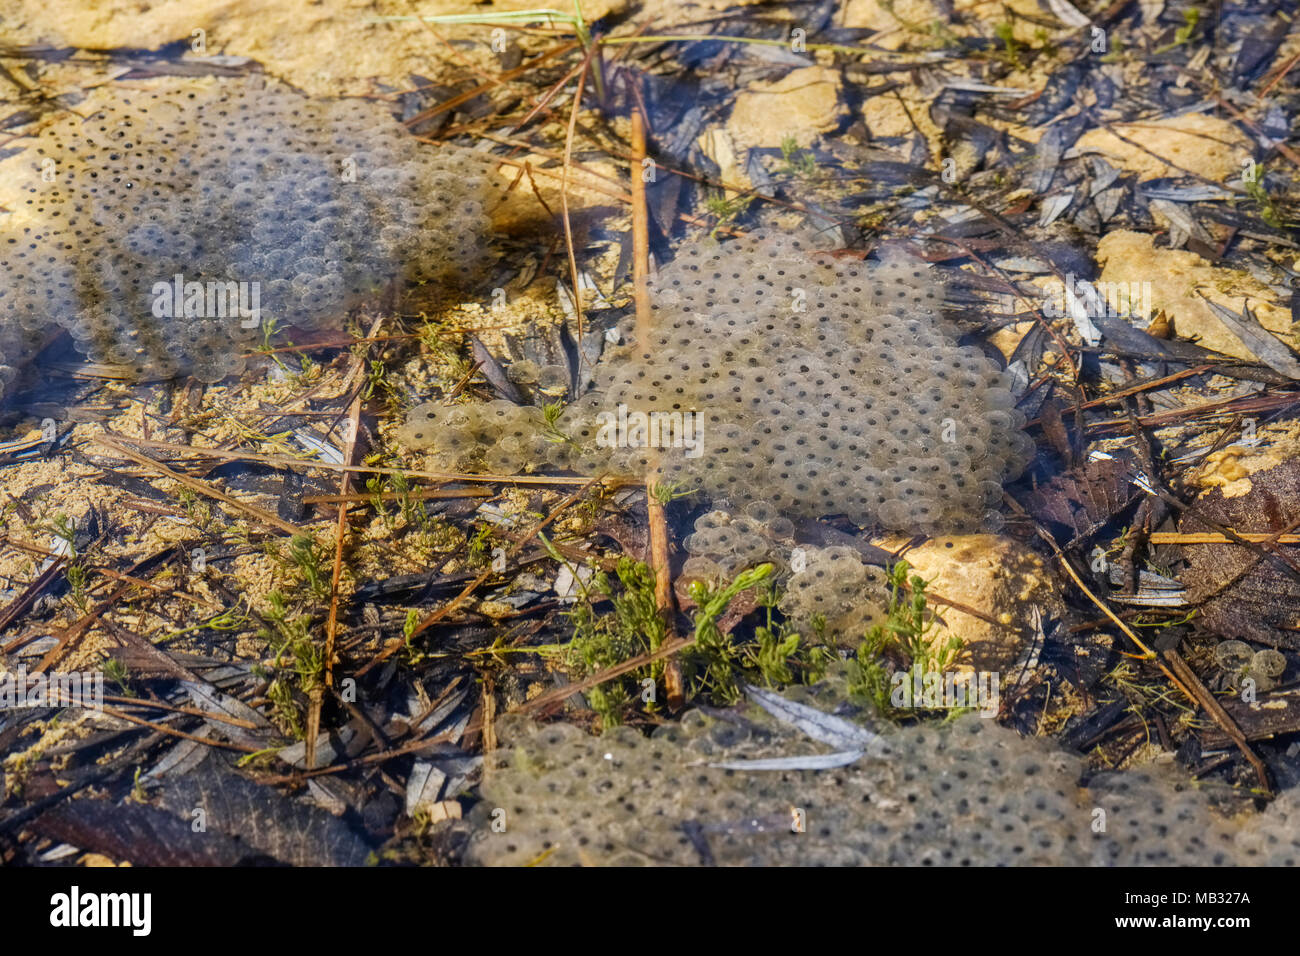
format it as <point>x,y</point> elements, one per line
<point>779,381</point>
<point>162,228</point>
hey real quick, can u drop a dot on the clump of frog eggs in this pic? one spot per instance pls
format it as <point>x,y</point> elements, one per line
<point>789,382</point>
<point>1241,663</point>
<point>966,793</point>
<point>830,590</point>
<point>280,208</point>
<point>493,436</point>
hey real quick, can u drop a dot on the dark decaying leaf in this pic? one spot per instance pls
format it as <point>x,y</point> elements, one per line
<point>494,373</point>
<point>242,822</point>
<point>140,835</point>
<point>1239,594</point>
<point>1123,340</point>
<point>1257,50</point>
<point>412,587</point>
<point>1084,730</point>
<point>263,819</point>
<point>1258,339</point>
<point>1084,498</point>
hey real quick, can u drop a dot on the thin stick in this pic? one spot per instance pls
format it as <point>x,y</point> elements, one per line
<point>468,95</point>
<point>564,198</point>
<point>332,624</point>
<point>673,682</point>
<point>560,694</point>
<point>1176,670</point>
<point>1147,653</point>
<point>1280,72</point>
<point>263,517</point>
<point>357,498</point>
<point>1198,692</point>
<point>75,630</point>
<point>187,711</point>
<point>1209,537</point>
<point>164,729</point>
<point>287,461</point>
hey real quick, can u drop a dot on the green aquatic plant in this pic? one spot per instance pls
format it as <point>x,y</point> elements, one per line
<point>797,161</point>
<point>308,558</point>
<point>603,640</point>
<point>907,632</point>
<point>115,671</point>
<point>719,662</point>
<point>715,664</point>
<point>1010,52</point>
<point>726,209</point>
<point>298,664</point>
<point>74,570</point>
<point>1268,210</point>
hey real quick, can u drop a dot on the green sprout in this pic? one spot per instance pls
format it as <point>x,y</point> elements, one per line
<point>115,671</point>
<point>799,162</point>
<point>1183,35</point>
<point>1268,210</point>
<point>726,209</point>
<point>290,636</point>
<point>309,557</point>
<point>600,641</point>
<point>551,413</point>
<point>907,632</point>
<point>667,491</point>
<point>1006,32</point>
<point>74,570</point>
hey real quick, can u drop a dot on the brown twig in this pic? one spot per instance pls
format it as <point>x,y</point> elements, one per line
<point>564,197</point>
<point>288,461</point>
<point>115,442</point>
<point>357,498</point>
<point>561,694</point>
<point>1197,691</point>
<point>673,682</point>
<point>74,631</point>
<point>317,695</point>
<point>1170,663</point>
<point>468,95</point>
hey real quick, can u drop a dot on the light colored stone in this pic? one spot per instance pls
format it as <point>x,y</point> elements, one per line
<point>802,104</point>
<point>886,116</point>
<point>1230,469</point>
<point>892,20</point>
<point>992,574</point>
<point>1175,276</point>
<point>1197,143</point>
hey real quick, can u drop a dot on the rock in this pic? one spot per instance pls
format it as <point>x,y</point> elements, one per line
<point>299,41</point>
<point>801,104</point>
<point>891,19</point>
<point>995,575</point>
<point>1196,143</point>
<point>1230,469</point>
<point>1175,276</point>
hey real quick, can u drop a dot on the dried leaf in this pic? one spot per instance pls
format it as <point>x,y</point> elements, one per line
<point>1257,339</point>
<point>1085,498</point>
<point>262,819</point>
<point>820,726</point>
<point>140,835</point>
<point>1239,594</point>
<point>810,762</point>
